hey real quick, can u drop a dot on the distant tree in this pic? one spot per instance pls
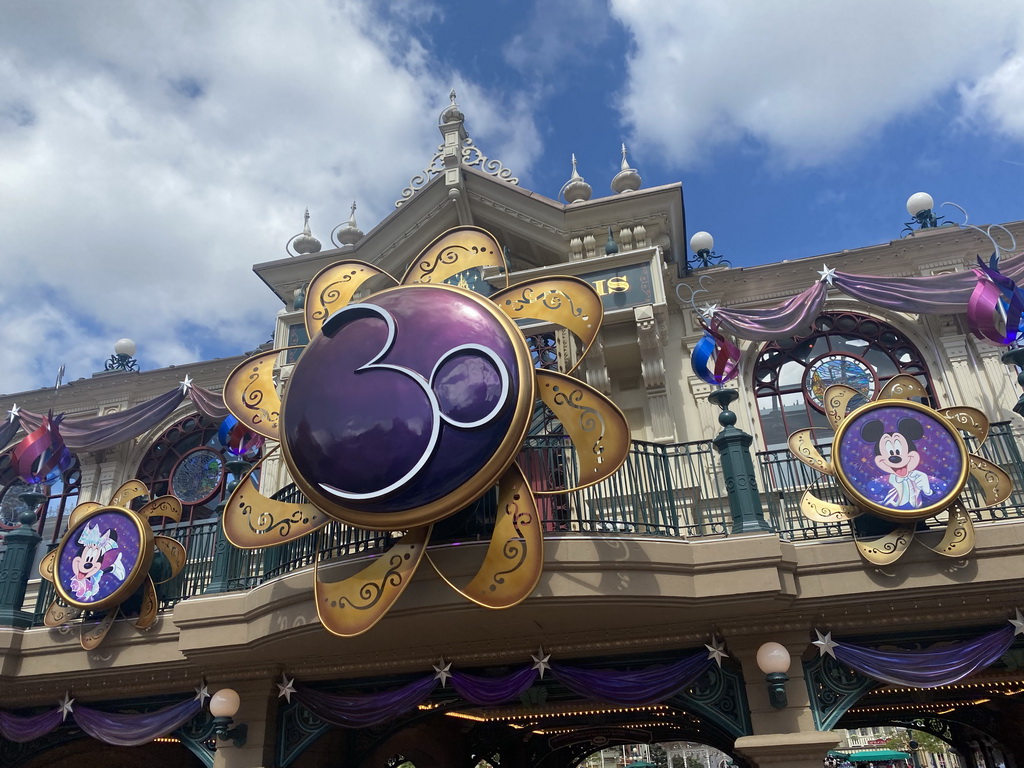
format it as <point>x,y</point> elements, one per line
<point>659,756</point>
<point>926,742</point>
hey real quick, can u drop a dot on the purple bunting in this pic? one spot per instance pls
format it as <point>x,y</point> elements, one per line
<point>132,730</point>
<point>209,404</point>
<point>361,711</point>
<point>647,686</point>
<point>490,691</point>
<point>22,729</point>
<point>95,433</point>
<point>793,317</point>
<point>931,668</point>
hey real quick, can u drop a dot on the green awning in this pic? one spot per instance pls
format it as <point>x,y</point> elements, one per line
<point>871,755</point>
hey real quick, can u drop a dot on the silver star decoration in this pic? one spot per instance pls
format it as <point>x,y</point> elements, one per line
<point>202,694</point>
<point>286,688</point>
<point>708,311</point>
<point>12,414</point>
<point>65,705</point>
<point>825,644</point>
<point>716,650</point>
<point>1018,624</point>
<point>186,385</point>
<point>827,275</point>
<point>541,661</point>
<point>442,672</point>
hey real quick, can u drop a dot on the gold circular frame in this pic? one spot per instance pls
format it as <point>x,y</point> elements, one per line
<point>480,483</point>
<point>901,515</point>
<point>132,580</point>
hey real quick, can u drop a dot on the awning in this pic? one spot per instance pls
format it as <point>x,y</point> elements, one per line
<point>871,755</point>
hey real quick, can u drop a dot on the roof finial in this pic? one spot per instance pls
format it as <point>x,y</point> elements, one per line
<point>451,96</point>
<point>627,179</point>
<point>304,242</point>
<point>347,233</point>
<point>576,189</point>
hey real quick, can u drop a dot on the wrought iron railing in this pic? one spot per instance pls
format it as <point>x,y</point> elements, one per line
<point>784,480</point>
<point>676,490</point>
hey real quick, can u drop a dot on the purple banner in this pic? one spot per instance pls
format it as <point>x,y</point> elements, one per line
<point>360,711</point>
<point>490,691</point>
<point>931,668</point>
<point>22,729</point>
<point>647,686</point>
<point>132,730</point>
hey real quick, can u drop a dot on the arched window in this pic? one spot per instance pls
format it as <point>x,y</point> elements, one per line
<point>61,499</point>
<point>188,461</point>
<point>790,376</point>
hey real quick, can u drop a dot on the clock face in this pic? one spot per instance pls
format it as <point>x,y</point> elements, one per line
<point>829,370</point>
<point>407,407</point>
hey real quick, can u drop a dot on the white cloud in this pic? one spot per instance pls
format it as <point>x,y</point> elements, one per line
<point>806,80</point>
<point>151,153</point>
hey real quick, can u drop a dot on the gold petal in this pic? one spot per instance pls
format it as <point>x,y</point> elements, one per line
<point>81,510</point>
<point>567,301</point>
<point>333,288</point>
<point>453,252</point>
<point>251,520</point>
<point>596,426</point>
<point>969,420</point>
<point>175,553</point>
<point>996,485</point>
<point>515,556</point>
<point>959,537</point>
<point>251,395</point>
<point>352,606</point>
<point>46,565</point>
<point>164,506</point>
<point>57,615</point>
<point>821,511</point>
<point>887,549</point>
<point>902,387</point>
<point>147,613</point>
<point>801,445</point>
<point>133,489</point>
<point>837,403</point>
<point>94,636</point>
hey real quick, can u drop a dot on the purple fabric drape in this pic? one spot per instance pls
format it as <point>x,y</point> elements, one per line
<point>22,729</point>
<point>927,669</point>
<point>8,431</point>
<point>95,433</point>
<point>648,686</point>
<point>360,711</point>
<point>490,691</point>
<point>208,403</point>
<point>792,317</point>
<point>132,730</point>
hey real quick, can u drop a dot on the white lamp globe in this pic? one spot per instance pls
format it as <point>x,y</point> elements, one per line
<point>773,658</point>
<point>919,201</point>
<point>702,241</point>
<point>224,703</point>
<point>125,347</point>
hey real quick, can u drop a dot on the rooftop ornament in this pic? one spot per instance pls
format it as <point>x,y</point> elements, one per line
<point>575,190</point>
<point>304,242</point>
<point>702,244</point>
<point>920,205</point>
<point>347,233</point>
<point>123,358</point>
<point>627,179</point>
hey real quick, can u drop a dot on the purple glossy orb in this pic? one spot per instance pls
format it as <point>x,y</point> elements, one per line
<point>401,399</point>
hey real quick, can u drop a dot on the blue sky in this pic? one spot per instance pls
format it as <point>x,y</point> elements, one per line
<point>151,153</point>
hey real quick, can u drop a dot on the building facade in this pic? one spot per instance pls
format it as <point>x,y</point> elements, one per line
<point>680,567</point>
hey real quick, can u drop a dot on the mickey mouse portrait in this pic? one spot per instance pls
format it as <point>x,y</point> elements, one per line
<point>896,455</point>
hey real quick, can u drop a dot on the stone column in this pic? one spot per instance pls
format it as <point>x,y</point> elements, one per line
<point>786,737</point>
<point>258,712</point>
<point>652,364</point>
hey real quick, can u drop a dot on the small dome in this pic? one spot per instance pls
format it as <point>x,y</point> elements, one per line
<point>348,233</point>
<point>576,189</point>
<point>627,179</point>
<point>305,243</point>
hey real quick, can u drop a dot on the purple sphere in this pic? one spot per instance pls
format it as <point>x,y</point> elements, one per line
<point>401,400</point>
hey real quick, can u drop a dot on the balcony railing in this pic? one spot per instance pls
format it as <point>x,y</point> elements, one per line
<point>675,491</point>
